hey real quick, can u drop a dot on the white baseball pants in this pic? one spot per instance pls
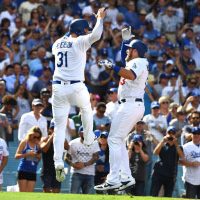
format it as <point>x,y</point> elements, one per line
<point>62,97</point>
<point>128,114</point>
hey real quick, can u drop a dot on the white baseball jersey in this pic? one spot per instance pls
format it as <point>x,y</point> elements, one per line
<point>83,153</point>
<point>3,153</point>
<point>129,88</point>
<point>153,122</point>
<point>70,54</point>
<point>192,153</point>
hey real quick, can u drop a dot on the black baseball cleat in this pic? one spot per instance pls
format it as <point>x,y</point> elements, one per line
<point>107,186</point>
<point>125,185</point>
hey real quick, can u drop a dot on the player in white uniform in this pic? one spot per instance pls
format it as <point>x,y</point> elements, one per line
<point>192,165</point>
<point>68,87</point>
<point>131,110</point>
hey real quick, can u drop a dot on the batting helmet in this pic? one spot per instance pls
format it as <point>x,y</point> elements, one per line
<point>139,46</point>
<point>78,26</point>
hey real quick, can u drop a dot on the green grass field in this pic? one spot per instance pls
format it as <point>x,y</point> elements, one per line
<point>42,196</point>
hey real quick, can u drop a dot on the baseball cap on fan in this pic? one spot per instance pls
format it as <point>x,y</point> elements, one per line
<point>37,102</point>
<point>155,104</point>
<point>104,134</point>
<point>137,138</point>
<point>196,130</point>
<point>112,90</point>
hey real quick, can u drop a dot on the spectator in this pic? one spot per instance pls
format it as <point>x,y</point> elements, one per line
<point>155,122</point>
<point>45,95</point>
<point>15,79</point>
<point>164,102</point>
<point>43,82</point>
<point>102,164</point>
<point>150,94</point>
<point>52,8</point>
<point>131,16</point>
<point>3,159</point>
<point>3,91</point>
<point>191,86</point>
<point>29,79</point>
<point>82,158</point>
<point>162,83</point>
<point>25,9</point>
<point>179,122</point>
<point>192,102</point>
<point>172,112</point>
<point>192,165</point>
<point>32,118</point>
<point>187,129</point>
<point>173,91</point>
<point>154,16</point>
<point>165,169</point>
<point>112,105</point>
<point>48,173</point>
<point>22,97</point>
<point>102,122</point>
<point>18,54</point>
<point>170,24</point>
<point>9,13</point>
<point>29,154</point>
<point>138,158</point>
<point>10,109</point>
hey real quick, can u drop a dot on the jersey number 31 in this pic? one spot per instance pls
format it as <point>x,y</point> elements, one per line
<point>62,59</point>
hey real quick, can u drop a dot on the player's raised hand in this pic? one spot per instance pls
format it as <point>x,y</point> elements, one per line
<point>126,33</point>
<point>101,13</point>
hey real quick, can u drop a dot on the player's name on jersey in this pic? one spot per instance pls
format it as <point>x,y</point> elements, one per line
<point>64,45</point>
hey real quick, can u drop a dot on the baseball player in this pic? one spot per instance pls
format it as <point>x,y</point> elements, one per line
<point>68,87</point>
<point>130,111</point>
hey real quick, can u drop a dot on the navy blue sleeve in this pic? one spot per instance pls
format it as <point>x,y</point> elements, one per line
<point>123,51</point>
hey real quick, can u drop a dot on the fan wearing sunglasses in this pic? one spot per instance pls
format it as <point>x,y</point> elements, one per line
<point>29,154</point>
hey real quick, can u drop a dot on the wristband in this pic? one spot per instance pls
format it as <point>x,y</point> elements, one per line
<point>116,69</point>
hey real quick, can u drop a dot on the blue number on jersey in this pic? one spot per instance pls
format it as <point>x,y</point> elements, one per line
<point>62,58</point>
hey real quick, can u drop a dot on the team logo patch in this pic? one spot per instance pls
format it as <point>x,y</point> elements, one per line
<point>134,66</point>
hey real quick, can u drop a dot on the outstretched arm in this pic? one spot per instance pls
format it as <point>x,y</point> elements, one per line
<point>98,29</point>
<point>126,37</point>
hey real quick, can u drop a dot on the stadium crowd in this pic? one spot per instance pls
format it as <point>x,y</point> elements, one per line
<point>164,147</point>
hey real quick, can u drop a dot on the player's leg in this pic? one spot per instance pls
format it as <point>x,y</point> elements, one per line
<point>81,98</point>
<point>134,113</point>
<point>60,107</point>
<point>127,115</point>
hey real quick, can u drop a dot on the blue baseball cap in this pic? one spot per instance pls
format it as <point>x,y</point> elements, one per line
<point>163,76</point>
<point>111,90</point>
<point>97,133</point>
<point>173,75</point>
<point>171,129</point>
<point>196,130</point>
<point>155,104</point>
<point>137,138</point>
<point>104,52</point>
<point>104,134</point>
